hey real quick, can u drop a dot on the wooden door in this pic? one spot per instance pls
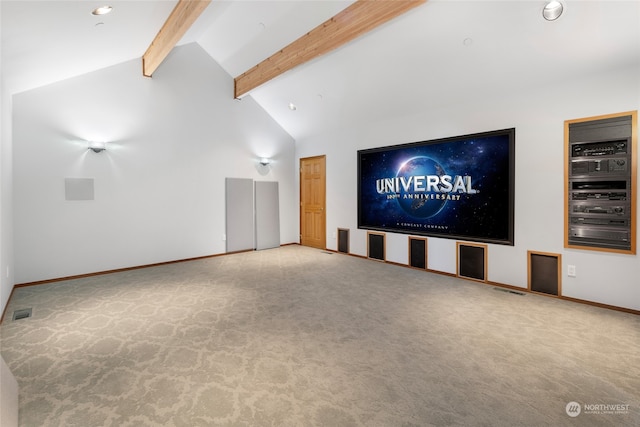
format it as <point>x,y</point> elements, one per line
<point>312,202</point>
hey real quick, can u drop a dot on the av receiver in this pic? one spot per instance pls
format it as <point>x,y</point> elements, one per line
<point>592,190</point>
<point>599,166</point>
<point>599,209</point>
<point>600,236</point>
<point>599,221</point>
<point>599,195</point>
<point>605,148</point>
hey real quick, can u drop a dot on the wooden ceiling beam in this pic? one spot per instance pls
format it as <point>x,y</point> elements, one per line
<point>179,21</point>
<point>357,19</point>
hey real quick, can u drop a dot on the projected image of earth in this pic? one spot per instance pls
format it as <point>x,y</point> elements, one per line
<point>420,208</point>
<point>460,187</point>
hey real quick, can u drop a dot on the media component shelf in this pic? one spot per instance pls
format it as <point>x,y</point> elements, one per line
<point>601,183</point>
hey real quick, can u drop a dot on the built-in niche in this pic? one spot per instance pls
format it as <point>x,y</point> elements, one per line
<point>600,178</point>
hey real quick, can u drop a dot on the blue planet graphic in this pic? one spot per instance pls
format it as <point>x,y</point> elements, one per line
<point>419,207</point>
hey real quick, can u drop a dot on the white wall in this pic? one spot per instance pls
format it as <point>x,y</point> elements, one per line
<point>538,114</point>
<point>6,194</point>
<point>8,384</point>
<point>6,200</point>
<point>159,188</point>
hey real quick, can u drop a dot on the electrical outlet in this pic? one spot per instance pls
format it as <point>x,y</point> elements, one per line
<point>333,234</point>
<point>224,237</point>
<point>571,270</point>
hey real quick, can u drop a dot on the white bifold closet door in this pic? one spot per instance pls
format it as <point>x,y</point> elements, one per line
<point>239,214</point>
<point>267,215</point>
<point>252,214</point>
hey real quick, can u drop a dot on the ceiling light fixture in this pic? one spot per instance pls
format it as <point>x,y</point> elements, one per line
<point>102,10</point>
<point>292,106</point>
<point>552,10</point>
<point>97,147</point>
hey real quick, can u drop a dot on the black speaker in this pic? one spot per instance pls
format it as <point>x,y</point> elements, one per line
<point>471,262</point>
<point>418,253</point>
<point>343,240</point>
<point>543,273</point>
<point>375,246</point>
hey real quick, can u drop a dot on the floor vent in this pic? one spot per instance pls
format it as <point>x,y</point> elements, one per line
<point>509,291</point>
<point>21,314</point>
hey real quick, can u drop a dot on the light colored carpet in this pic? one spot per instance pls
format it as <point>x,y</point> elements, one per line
<point>298,337</point>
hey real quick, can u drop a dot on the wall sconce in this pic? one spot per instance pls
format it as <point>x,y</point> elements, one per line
<point>97,147</point>
<point>552,10</point>
<point>265,161</point>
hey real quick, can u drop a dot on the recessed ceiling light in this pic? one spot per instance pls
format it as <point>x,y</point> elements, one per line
<point>102,10</point>
<point>552,10</point>
<point>292,106</point>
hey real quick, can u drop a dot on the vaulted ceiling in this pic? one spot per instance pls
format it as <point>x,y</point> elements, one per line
<point>441,53</point>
